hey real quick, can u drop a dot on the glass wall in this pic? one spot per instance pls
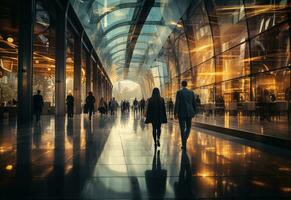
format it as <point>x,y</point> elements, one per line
<point>239,64</point>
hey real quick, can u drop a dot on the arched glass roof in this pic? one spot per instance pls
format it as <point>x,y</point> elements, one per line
<point>128,34</point>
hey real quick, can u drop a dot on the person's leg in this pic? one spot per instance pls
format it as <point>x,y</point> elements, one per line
<point>37,115</point>
<point>154,134</point>
<point>90,113</point>
<point>158,131</point>
<point>188,128</point>
<point>182,130</point>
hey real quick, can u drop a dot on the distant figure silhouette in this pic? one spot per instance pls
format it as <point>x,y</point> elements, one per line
<point>142,105</point>
<point>90,100</point>
<point>156,114</point>
<point>102,107</point>
<point>112,106</point>
<point>135,106</point>
<point>170,108</point>
<point>70,105</point>
<point>156,178</point>
<point>185,110</point>
<point>37,105</point>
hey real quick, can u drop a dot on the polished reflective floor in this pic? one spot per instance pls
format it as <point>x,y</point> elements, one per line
<point>114,158</point>
<point>279,127</point>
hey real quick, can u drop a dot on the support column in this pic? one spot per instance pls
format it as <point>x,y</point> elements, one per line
<point>61,53</point>
<point>77,73</point>
<point>95,80</point>
<point>88,73</point>
<point>25,52</point>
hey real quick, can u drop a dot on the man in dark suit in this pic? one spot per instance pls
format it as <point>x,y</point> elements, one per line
<point>185,110</point>
<point>37,104</point>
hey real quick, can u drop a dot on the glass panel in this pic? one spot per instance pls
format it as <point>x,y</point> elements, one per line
<point>271,50</point>
<point>228,22</point>
<point>276,84</point>
<point>117,41</point>
<point>199,35</point>
<point>100,7</point>
<point>155,14</point>
<point>264,14</point>
<point>206,94</point>
<point>204,74</point>
<point>117,31</point>
<point>116,17</point>
<point>183,53</point>
<point>233,63</point>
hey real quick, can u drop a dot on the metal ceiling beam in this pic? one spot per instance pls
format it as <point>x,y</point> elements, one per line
<point>96,19</point>
<point>124,35</point>
<point>139,18</point>
<point>131,24</point>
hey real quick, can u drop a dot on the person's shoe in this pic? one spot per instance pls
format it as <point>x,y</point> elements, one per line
<point>158,143</point>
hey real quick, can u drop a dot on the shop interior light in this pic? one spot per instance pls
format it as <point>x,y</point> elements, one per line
<point>10,39</point>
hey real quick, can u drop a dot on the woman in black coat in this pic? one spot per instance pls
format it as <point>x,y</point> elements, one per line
<point>156,114</point>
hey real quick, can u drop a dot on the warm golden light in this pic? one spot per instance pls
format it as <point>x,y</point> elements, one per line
<point>286,189</point>
<point>10,40</point>
<point>49,69</point>
<point>9,167</point>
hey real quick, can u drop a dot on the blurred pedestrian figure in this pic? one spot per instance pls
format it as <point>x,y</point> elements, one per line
<point>37,105</point>
<point>135,106</point>
<point>170,107</point>
<point>112,106</point>
<point>102,106</point>
<point>142,105</point>
<point>70,105</point>
<point>90,101</point>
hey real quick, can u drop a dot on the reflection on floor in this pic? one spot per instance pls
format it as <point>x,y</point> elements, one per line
<point>113,157</point>
<point>278,127</point>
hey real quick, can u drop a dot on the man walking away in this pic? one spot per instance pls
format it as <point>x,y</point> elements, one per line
<point>185,110</point>
<point>90,101</point>
<point>37,105</point>
<point>70,105</point>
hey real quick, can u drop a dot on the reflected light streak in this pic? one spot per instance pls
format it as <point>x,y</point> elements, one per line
<point>259,183</point>
<point>286,189</point>
<point>201,48</point>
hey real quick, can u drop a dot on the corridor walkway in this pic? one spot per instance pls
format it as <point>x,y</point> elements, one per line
<point>114,158</point>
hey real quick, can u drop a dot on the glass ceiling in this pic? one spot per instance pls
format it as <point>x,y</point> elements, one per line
<point>110,25</point>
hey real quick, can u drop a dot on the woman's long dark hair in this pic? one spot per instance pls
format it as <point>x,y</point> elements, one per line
<point>156,96</point>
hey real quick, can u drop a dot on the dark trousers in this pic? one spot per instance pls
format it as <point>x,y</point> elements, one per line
<point>156,131</point>
<point>90,112</point>
<point>70,110</point>
<point>37,114</point>
<point>185,128</point>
